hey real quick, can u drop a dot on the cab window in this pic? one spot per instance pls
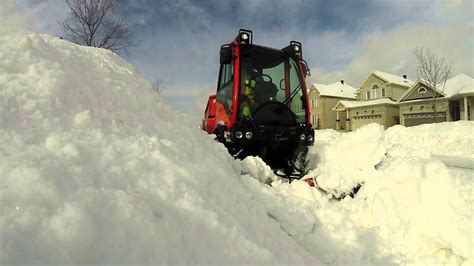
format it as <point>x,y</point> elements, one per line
<point>225,88</point>
<point>297,103</point>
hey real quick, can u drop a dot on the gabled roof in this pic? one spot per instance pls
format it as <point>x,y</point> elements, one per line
<point>457,85</point>
<point>352,104</point>
<point>412,88</point>
<point>390,78</point>
<point>336,89</point>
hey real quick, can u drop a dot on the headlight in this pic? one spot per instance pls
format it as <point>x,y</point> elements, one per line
<point>302,137</point>
<point>310,138</point>
<point>296,48</point>
<point>245,36</point>
<point>249,135</point>
<point>239,134</point>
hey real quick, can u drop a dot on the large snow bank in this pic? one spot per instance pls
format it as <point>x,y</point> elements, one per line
<point>95,168</point>
<point>412,208</point>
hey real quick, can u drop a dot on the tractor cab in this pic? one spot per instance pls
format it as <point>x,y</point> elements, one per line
<point>261,104</point>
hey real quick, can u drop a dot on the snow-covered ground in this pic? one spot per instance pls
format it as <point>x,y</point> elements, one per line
<point>95,168</point>
<point>413,208</point>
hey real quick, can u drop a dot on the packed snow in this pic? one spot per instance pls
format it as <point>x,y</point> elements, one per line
<point>411,208</point>
<point>96,168</point>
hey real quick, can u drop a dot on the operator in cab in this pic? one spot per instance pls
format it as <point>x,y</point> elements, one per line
<point>248,97</point>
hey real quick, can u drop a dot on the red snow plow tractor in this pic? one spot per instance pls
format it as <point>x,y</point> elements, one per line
<point>261,105</point>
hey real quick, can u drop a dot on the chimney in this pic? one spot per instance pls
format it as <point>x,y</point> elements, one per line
<point>405,76</point>
<point>342,81</point>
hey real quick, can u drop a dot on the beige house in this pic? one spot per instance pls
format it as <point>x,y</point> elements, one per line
<point>421,104</point>
<point>382,111</point>
<point>376,102</point>
<point>322,99</point>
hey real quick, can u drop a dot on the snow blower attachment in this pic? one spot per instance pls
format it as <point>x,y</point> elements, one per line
<point>261,105</point>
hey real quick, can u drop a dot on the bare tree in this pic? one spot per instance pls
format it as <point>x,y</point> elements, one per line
<point>434,71</point>
<point>90,23</point>
<point>158,86</point>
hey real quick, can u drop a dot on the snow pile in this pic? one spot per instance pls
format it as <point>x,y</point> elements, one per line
<point>411,209</point>
<point>257,168</point>
<point>447,140</point>
<point>341,163</point>
<point>96,169</point>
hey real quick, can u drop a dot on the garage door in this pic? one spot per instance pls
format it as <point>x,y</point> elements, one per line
<point>358,121</point>
<point>423,118</point>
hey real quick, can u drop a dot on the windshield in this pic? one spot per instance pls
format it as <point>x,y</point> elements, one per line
<point>263,79</point>
<point>296,92</point>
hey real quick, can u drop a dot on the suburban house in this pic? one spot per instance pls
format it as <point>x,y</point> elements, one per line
<point>421,104</point>
<point>376,102</point>
<point>323,97</point>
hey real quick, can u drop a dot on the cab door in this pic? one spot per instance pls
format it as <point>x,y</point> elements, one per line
<point>224,95</point>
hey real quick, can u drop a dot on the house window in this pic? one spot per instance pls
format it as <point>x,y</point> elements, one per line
<point>375,93</point>
<point>314,120</point>
<point>422,90</point>
<point>367,96</point>
<point>314,102</point>
<point>383,92</point>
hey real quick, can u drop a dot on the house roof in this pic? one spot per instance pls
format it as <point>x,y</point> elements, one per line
<point>336,89</point>
<point>467,89</point>
<point>460,84</point>
<point>457,85</point>
<point>390,78</point>
<point>352,104</point>
<point>409,91</point>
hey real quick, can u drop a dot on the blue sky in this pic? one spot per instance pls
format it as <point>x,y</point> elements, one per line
<point>178,40</point>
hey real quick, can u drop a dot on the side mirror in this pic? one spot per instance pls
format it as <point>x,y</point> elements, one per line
<point>226,54</point>
<point>305,67</point>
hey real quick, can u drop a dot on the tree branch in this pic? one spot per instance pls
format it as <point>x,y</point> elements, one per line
<point>90,23</point>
